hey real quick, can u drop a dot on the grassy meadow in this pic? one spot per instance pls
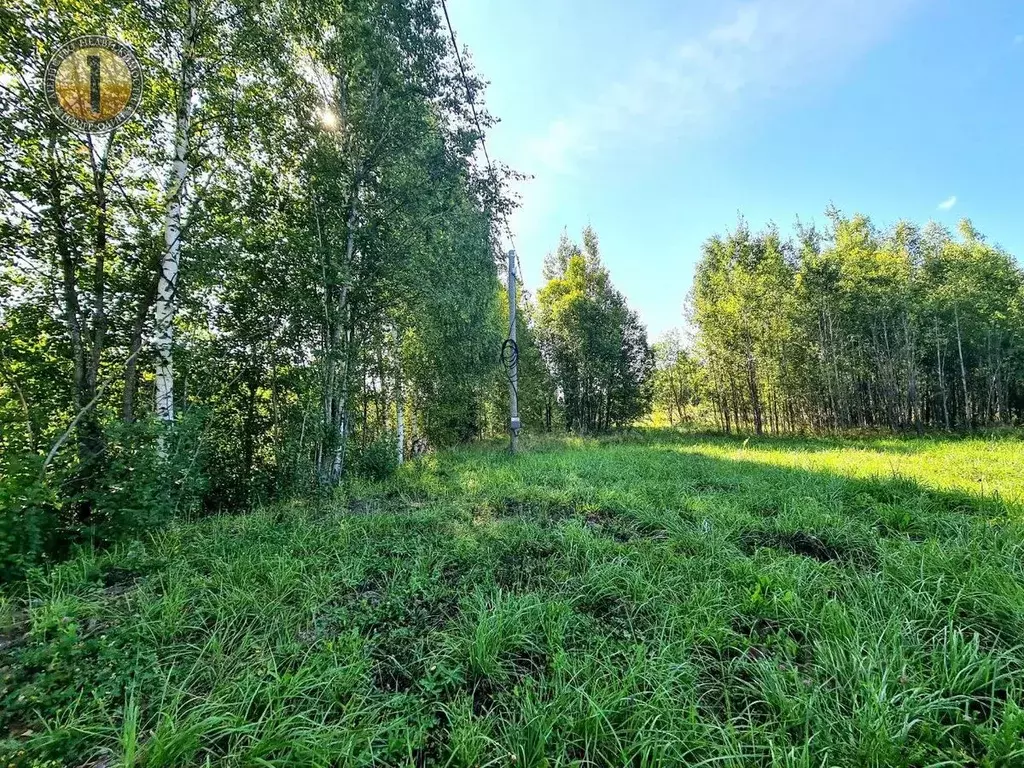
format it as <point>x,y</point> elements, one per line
<point>651,599</point>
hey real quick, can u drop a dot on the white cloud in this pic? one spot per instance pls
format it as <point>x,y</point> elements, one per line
<point>757,52</point>
<point>948,203</point>
<point>740,30</point>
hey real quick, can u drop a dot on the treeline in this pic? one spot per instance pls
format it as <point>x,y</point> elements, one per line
<point>904,329</point>
<point>595,347</point>
<point>280,271</point>
<point>283,271</point>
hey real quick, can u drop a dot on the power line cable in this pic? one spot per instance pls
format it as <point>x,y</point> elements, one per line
<point>483,139</point>
<point>509,348</point>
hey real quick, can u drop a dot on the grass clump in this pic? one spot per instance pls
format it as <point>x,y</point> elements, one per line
<point>657,600</point>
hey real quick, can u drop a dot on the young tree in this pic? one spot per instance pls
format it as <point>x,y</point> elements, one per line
<point>596,346</point>
<point>677,379</point>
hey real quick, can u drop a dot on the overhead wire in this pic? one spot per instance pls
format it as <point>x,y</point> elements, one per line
<point>479,129</point>
<point>509,348</point>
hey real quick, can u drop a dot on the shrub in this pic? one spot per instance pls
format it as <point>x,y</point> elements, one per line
<point>377,461</point>
<point>30,515</point>
<point>127,491</point>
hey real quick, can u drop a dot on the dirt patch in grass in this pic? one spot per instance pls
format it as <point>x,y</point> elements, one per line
<point>805,545</point>
<point>621,527</point>
<point>528,664</point>
<point>526,566</point>
<point>607,521</point>
<point>543,513</point>
<point>484,691</point>
<point>13,639</point>
<point>386,504</point>
<point>768,636</point>
<point>649,530</point>
<point>362,507</point>
<point>390,676</point>
<point>887,530</point>
<point>536,510</point>
<point>604,522</point>
<point>763,626</point>
<point>605,608</point>
<point>118,580</point>
<point>16,634</point>
<point>713,486</point>
<point>767,509</point>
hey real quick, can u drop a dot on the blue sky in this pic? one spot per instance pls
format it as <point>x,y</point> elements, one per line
<point>658,121</point>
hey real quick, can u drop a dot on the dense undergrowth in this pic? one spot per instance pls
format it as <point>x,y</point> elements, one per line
<point>653,600</point>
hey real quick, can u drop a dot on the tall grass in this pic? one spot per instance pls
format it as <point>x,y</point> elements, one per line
<point>647,601</point>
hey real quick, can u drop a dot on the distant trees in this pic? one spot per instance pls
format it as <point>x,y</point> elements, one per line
<point>594,344</point>
<point>903,329</point>
<point>679,380</point>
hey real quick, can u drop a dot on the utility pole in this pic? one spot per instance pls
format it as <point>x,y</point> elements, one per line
<point>513,367</point>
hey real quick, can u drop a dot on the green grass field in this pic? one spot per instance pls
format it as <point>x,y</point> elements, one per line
<point>649,600</point>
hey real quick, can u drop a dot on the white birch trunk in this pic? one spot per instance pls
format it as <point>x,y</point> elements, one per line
<point>337,465</point>
<point>166,295</point>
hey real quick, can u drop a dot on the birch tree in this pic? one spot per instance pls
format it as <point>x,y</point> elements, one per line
<point>167,287</point>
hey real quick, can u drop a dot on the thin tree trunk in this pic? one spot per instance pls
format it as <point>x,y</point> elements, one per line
<point>131,379</point>
<point>755,398</point>
<point>735,401</point>
<point>99,313</point>
<point>843,416</point>
<point>167,289</point>
<point>399,401</point>
<point>912,399</point>
<point>341,410</point>
<point>826,359</point>
<point>724,401</point>
<point>341,414</point>
<point>69,277</point>
<point>249,436</point>
<point>942,378</point>
<point>85,390</point>
<point>963,370</point>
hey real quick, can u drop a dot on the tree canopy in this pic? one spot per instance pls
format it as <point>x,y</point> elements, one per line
<point>239,293</point>
<point>860,328</point>
<point>595,344</point>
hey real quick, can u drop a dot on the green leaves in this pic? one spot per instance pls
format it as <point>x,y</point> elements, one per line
<point>595,344</point>
<point>303,247</point>
<point>902,328</point>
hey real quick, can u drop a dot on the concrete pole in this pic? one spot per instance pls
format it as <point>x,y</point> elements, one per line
<point>513,378</point>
